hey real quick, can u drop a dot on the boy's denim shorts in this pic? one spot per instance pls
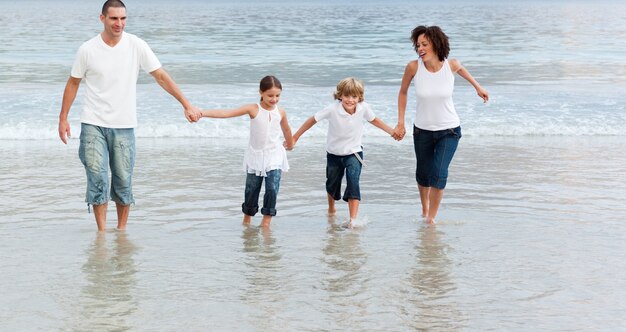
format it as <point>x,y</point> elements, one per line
<point>250,204</point>
<point>433,152</point>
<point>101,148</point>
<point>336,167</point>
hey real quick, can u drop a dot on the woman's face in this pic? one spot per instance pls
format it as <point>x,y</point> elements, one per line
<point>425,48</point>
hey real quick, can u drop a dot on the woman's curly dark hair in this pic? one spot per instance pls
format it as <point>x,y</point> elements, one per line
<point>437,38</point>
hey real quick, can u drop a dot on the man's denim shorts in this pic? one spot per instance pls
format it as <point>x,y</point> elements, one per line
<point>336,166</point>
<point>433,152</point>
<point>101,148</point>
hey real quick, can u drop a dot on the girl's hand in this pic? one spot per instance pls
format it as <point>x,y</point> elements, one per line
<point>289,147</point>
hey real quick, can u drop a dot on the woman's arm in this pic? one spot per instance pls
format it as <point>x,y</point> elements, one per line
<point>456,67</point>
<point>409,73</point>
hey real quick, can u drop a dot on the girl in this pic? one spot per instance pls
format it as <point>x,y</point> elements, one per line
<point>344,148</point>
<point>437,129</point>
<point>265,157</point>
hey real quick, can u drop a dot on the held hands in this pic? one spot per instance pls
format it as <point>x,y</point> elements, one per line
<point>398,132</point>
<point>193,114</point>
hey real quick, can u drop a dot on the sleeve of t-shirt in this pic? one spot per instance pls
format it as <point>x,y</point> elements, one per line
<point>80,63</point>
<point>323,114</point>
<point>368,114</point>
<point>148,61</point>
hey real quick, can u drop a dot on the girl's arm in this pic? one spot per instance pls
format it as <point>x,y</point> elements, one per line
<point>284,125</point>
<point>409,73</point>
<point>382,125</point>
<point>251,109</point>
<point>310,122</point>
<point>456,67</point>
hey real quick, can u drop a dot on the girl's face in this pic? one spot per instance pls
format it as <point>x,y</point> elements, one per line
<point>349,103</point>
<point>270,97</point>
<point>425,48</point>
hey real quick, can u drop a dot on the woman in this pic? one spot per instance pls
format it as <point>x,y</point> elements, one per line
<point>436,130</point>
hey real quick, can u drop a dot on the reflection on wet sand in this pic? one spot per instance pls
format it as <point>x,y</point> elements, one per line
<point>264,291</point>
<point>107,302</point>
<point>345,281</point>
<point>431,306</point>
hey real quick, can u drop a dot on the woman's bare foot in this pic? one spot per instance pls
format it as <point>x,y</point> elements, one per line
<point>247,219</point>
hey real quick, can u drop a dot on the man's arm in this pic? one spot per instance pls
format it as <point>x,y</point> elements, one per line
<point>71,89</point>
<point>192,113</point>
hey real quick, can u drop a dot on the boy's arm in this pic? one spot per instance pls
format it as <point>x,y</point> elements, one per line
<point>230,113</point>
<point>284,125</point>
<point>310,122</point>
<point>382,125</point>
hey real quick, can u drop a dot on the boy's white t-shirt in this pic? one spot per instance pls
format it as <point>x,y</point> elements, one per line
<point>110,74</point>
<point>345,131</point>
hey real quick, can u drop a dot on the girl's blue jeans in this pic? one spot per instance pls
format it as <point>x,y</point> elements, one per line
<point>250,205</point>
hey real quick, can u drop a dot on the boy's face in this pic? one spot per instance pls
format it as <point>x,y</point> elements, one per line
<point>349,103</point>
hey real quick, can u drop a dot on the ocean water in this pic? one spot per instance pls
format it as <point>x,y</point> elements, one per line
<point>530,235</point>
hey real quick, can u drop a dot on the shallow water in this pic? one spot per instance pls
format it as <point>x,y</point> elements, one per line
<point>528,237</point>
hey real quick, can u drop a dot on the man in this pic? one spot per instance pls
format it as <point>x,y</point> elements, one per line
<point>110,63</point>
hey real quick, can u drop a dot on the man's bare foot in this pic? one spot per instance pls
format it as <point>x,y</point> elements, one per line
<point>331,213</point>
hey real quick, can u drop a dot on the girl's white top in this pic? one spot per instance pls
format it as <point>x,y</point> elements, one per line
<point>435,109</point>
<point>265,150</point>
<point>345,130</point>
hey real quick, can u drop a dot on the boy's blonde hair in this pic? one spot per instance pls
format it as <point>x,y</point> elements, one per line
<point>350,86</point>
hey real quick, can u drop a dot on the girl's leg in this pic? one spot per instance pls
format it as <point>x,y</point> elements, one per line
<point>250,205</point>
<point>272,185</point>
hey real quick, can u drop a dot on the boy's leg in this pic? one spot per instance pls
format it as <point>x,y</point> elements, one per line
<point>331,205</point>
<point>250,204</point>
<point>353,190</point>
<point>334,176</point>
<point>272,185</point>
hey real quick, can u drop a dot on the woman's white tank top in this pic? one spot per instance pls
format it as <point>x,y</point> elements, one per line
<point>435,109</point>
<point>265,149</point>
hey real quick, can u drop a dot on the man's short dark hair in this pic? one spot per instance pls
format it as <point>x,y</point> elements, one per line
<point>111,3</point>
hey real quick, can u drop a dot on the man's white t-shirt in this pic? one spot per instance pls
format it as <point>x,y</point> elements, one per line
<point>110,74</point>
<point>345,131</point>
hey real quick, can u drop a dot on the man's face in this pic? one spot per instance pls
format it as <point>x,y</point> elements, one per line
<point>114,22</point>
